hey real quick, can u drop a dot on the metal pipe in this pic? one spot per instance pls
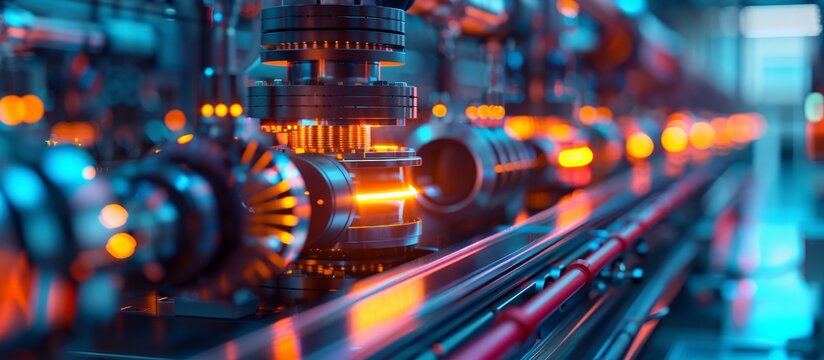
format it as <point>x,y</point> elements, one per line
<point>515,325</point>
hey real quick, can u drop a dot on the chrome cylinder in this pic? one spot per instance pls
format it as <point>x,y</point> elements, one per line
<point>472,177</point>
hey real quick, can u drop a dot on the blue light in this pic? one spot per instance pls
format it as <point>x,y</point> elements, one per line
<point>209,71</point>
<point>16,17</point>
<point>514,59</point>
<point>65,164</point>
<point>631,7</point>
<point>218,17</point>
<point>28,189</point>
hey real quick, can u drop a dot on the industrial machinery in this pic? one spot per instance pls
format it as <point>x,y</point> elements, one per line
<point>353,178</point>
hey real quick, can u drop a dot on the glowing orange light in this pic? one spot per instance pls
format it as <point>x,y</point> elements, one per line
<point>121,245</point>
<point>12,110</point>
<point>73,132</point>
<point>113,215</point>
<point>568,8</point>
<point>388,195</point>
<point>207,110</point>
<point>605,112</point>
<point>471,112</point>
<point>221,110</point>
<point>679,119</point>
<point>175,120</point>
<point>236,110</point>
<point>483,111</point>
<point>560,130</point>
<point>16,295</point>
<point>639,146</point>
<point>575,157</point>
<point>723,132</point>
<point>702,135</point>
<point>497,112</point>
<point>439,110</point>
<point>370,314</point>
<point>185,139</point>
<point>34,109</point>
<point>286,344</point>
<point>573,208</point>
<point>747,127</point>
<point>521,218</point>
<point>89,172</point>
<point>588,115</point>
<point>674,139</point>
<point>520,127</point>
<point>385,147</point>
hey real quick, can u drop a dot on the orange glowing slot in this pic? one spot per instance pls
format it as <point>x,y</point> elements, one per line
<point>385,147</point>
<point>387,195</point>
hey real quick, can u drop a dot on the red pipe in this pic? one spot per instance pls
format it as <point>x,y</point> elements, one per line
<point>516,324</point>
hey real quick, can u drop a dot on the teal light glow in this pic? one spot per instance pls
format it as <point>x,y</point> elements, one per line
<point>814,107</point>
<point>631,7</point>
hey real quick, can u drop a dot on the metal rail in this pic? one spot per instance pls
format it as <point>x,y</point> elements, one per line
<point>516,324</point>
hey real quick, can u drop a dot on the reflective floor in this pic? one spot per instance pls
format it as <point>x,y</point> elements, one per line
<point>763,308</point>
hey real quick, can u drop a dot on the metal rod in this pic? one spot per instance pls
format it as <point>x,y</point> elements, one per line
<point>515,325</point>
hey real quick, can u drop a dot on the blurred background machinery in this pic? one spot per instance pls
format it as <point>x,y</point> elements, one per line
<point>410,179</point>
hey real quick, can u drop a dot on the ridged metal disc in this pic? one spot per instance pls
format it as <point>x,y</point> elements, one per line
<point>332,105</point>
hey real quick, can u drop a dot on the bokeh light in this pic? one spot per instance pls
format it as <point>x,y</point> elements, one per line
<point>639,146</point>
<point>575,157</point>
<point>439,110</point>
<point>588,114</point>
<point>175,120</point>
<point>113,216</point>
<point>34,109</point>
<point>183,139</point>
<point>221,110</point>
<point>207,110</point>
<point>674,139</point>
<point>12,110</point>
<point>702,135</point>
<point>121,245</point>
<point>236,110</point>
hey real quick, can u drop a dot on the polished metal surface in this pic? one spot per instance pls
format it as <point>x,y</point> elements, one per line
<point>378,316</point>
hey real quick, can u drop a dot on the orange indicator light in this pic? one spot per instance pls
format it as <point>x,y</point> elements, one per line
<point>439,110</point>
<point>12,110</point>
<point>121,245</point>
<point>236,110</point>
<point>674,139</point>
<point>207,110</point>
<point>185,139</point>
<point>639,146</point>
<point>575,157</point>
<point>702,135</point>
<point>588,114</point>
<point>34,109</point>
<point>472,112</point>
<point>221,110</point>
<point>175,120</point>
